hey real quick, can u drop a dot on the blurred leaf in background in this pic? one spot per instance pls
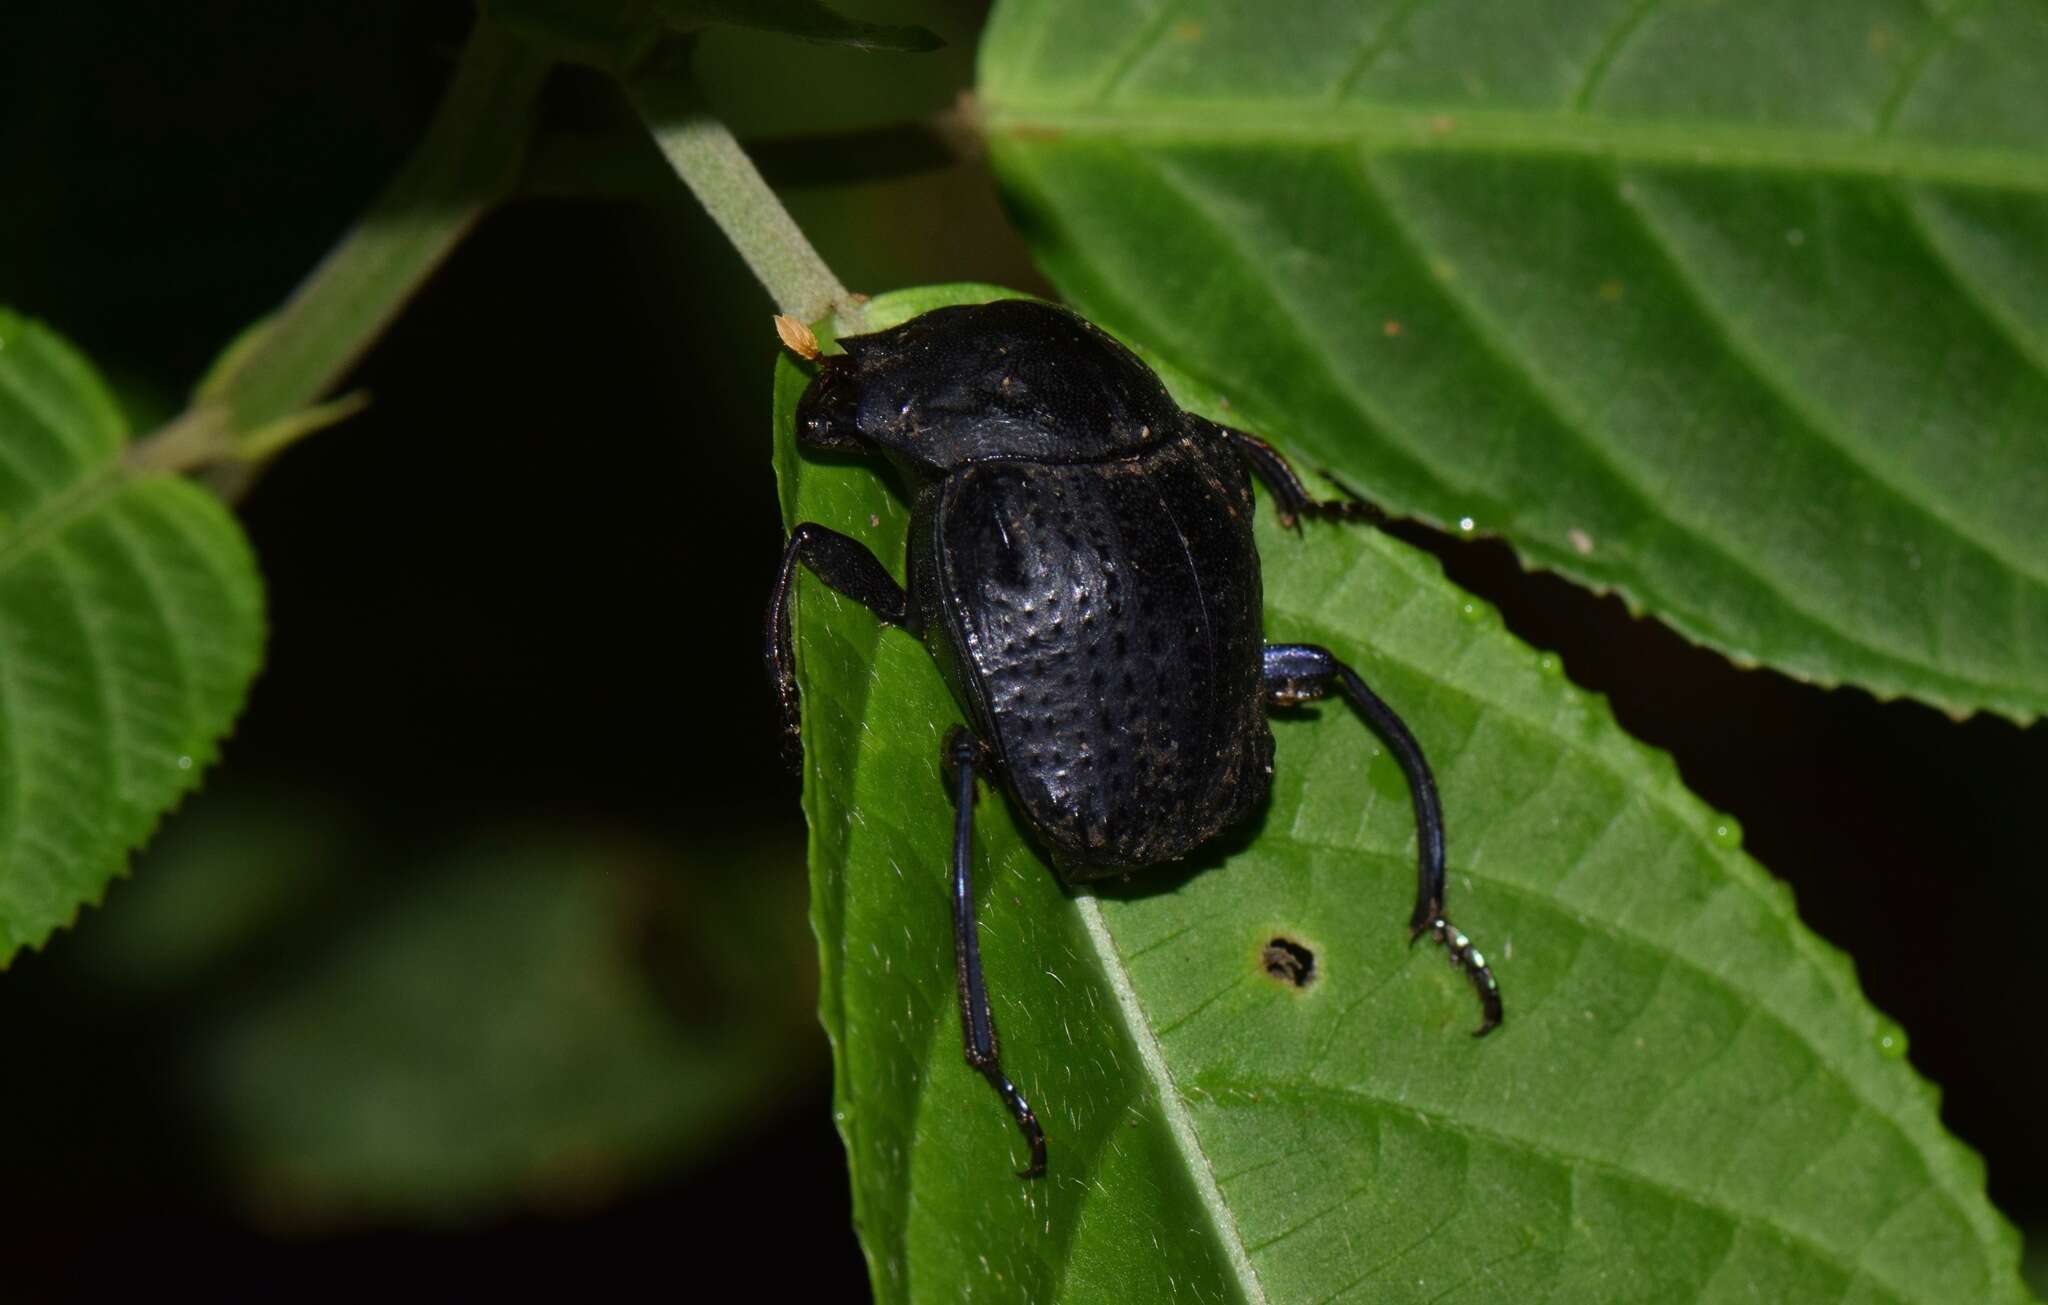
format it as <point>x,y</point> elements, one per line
<point>538,1021</point>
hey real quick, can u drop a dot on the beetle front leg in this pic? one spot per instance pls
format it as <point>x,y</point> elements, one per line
<point>1290,496</point>
<point>844,563</point>
<point>966,755</point>
<point>1302,672</point>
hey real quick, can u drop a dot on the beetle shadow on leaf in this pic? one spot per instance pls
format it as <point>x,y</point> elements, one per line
<point>856,459</point>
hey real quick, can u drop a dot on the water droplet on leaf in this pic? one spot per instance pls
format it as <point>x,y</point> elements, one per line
<point>1891,1039</point>
<point>1475,610</point>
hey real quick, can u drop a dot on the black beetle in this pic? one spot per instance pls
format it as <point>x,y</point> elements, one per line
<point>1081,565</point>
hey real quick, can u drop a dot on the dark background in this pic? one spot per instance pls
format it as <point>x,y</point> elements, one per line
<point>516,603</point>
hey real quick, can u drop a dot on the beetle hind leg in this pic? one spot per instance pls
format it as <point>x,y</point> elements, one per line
<point>965,756</point>
<point>1300,672</point>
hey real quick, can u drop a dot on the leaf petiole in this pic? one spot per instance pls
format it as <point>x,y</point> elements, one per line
<point>257,398</point>
<point>711,163</point>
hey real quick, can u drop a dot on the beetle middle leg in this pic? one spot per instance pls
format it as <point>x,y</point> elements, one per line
<point>1291,497</point>
<point>965,755</point>
<point>1303,672</point>
<point>844,563</point>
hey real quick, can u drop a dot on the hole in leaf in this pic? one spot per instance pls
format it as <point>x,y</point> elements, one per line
<point>1289,962</point>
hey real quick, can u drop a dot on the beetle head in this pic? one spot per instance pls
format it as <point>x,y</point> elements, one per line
<point>1014,379</point>
<point>828,414</point>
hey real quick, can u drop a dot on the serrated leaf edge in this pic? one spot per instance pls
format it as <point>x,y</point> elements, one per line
<point>46,524</point>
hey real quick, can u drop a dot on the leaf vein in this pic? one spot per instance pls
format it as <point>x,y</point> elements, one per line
<point>1386,1262</point>
<point>1943,33</point>
<point>1377,44</point>
<point>1755,1004</point>
<point>1581,430</point>
<point>1565,1160</point>
<point>1755,360</point>
<point>1308,1220</point>
<point>2030,347</point>
<point>165,613</point>
<point>1675,142</point>
<point>1128,59</point>
<point>1610,49</point>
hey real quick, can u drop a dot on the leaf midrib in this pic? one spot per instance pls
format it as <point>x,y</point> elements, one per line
<point>1458,128</point>
<point>1179,1123</point>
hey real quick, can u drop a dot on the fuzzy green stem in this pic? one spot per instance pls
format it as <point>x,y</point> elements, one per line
<point>704,154</point>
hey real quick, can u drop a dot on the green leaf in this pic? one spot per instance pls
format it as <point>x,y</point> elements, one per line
<point>235,875</point>
<point>538,1022</point>
<point>805,18</point>
<point>1690,1098</point>
<point>131,623</point>
<point>609,34</point>
<point>1738,308</point>
<point>616,34</point>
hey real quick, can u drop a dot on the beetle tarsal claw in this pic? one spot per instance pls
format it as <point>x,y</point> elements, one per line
<point>1472,964</point>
